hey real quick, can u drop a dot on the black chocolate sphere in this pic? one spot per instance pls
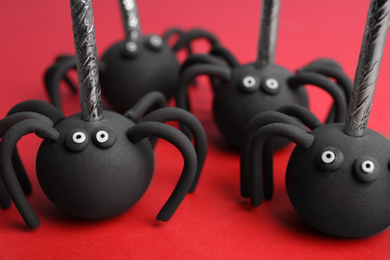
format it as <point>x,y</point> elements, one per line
<point>341,185</point>
<point>93,171</point>
<point>250,92</point>
<point>127,77</point>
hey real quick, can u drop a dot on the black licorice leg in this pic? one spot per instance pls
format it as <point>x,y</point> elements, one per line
<point>187,37</point>
<point>324,62</point>
<point>5,124</point>
<point>326,84</point>
<point>176,31</point>
<point>53,77</point>
<point>224,73</point>
<point>182,99</point>
<point>183,144</point>
<point>303,114</point>
<point>253,125</point>
<point>222,52</point>
<point>42,108</point>
<point>68,81</point>
<point>201,59</point>
<point>193,124</point>
<point>150,102</point>
<point>291,132</point>
<point>8,142</point>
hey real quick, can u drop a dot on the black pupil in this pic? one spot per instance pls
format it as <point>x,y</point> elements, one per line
<point>328,156</point>
<point>368,166</point>
<point>102,135</point>
<point>78,137</point>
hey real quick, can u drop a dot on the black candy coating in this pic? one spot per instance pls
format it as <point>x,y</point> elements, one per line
<point>96,182</point>
<point>234,106</point>
<point>339,202</point>
<point>126,79</point>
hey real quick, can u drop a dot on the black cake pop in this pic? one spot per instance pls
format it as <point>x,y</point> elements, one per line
<point>243,91</point>
<point>338,176</point>
<point>133,67</point>
<point>95,164</point>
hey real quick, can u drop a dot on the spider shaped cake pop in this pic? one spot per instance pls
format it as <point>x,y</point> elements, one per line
<point>338,175</point>
<point>243,91</point>
<point>91,165</point>
<point>133,67</point>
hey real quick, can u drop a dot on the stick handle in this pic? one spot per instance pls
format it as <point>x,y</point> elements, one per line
<point>269,23</point>
<point>371,52</point>
<point>130,17</point>
<point>86,59</point>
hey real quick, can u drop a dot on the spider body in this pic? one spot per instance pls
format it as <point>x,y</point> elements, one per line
<point>113,182</point>
<point>341,184</point>
<point>252,90</point>
<point>243,91</point>
<point>126,76</point>
<point>96,169</point>
<point>129,70</point>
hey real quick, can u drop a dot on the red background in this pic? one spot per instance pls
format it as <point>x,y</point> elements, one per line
<point>215,222</point>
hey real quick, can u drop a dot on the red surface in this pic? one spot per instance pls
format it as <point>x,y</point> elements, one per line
<point>214,222</point>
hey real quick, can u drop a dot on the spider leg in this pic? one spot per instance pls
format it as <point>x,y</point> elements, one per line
<point>150,102</point>
<point>69,82</point>
<point>178,139</point>
<point>193,124</point>
<point>182,99</point>
<point>324,62</point>
<point>5,125</point>
<point>8,142</point>
<point>253,125</point>
<point>55,74</point>
<point>176,31</point>
<point>40,107</point>
<point>291,132</point>
<point>222,52</point>
<point>340,103</point>
<point>201,59</point>
<point>187,37</point>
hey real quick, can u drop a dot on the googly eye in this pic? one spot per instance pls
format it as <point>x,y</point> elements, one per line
<point>76,140</point>
<point>271,86</point>
<point>105,137</point>
<point>250,83</point>
<point>154,43</point>
<point>102,136</point>
<point>366,169</point>
<point>272,83</point>
<point>131,46</point>
<point>330,159</point>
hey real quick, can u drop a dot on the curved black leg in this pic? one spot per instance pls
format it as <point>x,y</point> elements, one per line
<point>148,103</point>
<point>324,62</point>
<point>29,109</point>
<point>187,37</point>
<point>200,59</point>
<point>291,132</point>
<point>8,142</point>
<point>328,85</point>
<point>253,125</point>
<point>302,113</point>
<point>193,124</point>
<point>178,139</point>
<point>54,75</point>
<point>222,52</point>
<point>176,31</point>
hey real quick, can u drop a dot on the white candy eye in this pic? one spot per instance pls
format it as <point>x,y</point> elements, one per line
<point>249,82</point>
<point>131,46</point>
<point>102,136</point>
<point>368,167</point>
<point>328,157</point>
<point>79,137</point>
<point>155,40</point>
<point>272,84</point>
